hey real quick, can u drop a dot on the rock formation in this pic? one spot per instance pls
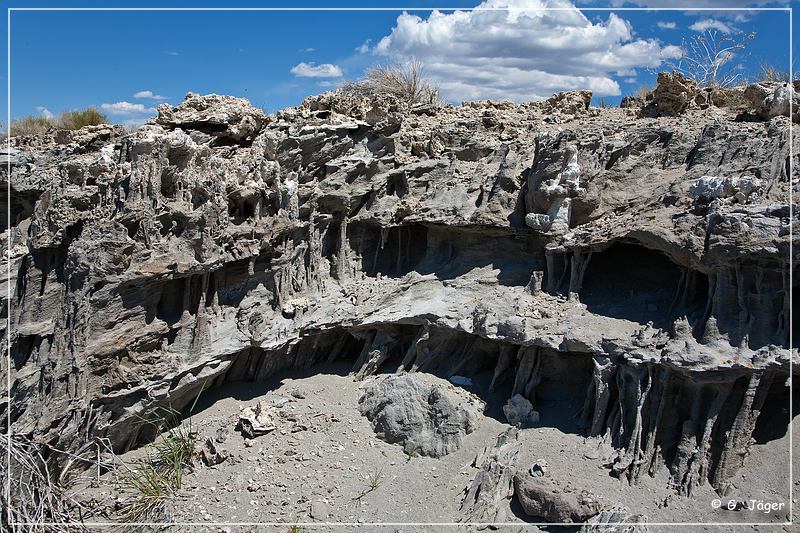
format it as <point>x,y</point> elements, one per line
<point>424,414</point>
<point>607,258</point>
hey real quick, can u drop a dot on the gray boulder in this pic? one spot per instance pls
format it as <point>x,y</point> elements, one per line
<point>541,497</point>
<point>424,414</point>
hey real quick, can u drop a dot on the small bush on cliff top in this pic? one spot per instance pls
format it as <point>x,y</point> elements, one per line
<point>30,126</point>
<point>404,81</point>
<point>74,120</point>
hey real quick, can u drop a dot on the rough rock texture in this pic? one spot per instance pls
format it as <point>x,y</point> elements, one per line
<point>673,95</point>
<point>567,259</point>
<point>425,414</point>
<point>773,99</point>
<point>569,103</point>
<point>617,519</point>
<point>543,498</point>
<point>493,484</point>
<point>221,118</point>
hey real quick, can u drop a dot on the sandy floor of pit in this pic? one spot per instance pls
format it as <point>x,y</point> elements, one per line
<point>278,477</point>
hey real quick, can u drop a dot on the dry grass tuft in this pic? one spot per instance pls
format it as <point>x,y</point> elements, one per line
<point>69,120</point>
<point>39,500</point>
<point>406,82</point>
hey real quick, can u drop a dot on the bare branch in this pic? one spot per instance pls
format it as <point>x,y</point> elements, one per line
<point>708,58</point>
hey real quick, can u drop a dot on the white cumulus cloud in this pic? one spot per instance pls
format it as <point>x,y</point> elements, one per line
<point>711,24</point>
<point>365,47</point>
<point>312,70</point>
<point>126,108</point>
<point>149,95</point>
<point>666,25</point>
<point>522,53</point>
<point>44,112</point>
<point>655,4</point>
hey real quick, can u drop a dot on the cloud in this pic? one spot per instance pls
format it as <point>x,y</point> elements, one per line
<point>312,70</point>
<point>630,80</point>
<point>44,112</point>
<point>134,123</point>
<point>149,95</point>
<point>307,49</point>
<point>711,24</point>
<point>172,53</point>
<point>365,47</point>
<point>655,4</point>
<point>666,25</point>
<point>521,54</point>
<point>325,84</point>
<point>126,108</point>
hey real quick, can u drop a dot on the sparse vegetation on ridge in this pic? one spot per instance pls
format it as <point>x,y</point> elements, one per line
<point>404,81</point>
<point>68,120</point>
<point>771,73</point>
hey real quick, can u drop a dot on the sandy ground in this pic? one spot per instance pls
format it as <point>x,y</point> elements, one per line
<point>318,465</point>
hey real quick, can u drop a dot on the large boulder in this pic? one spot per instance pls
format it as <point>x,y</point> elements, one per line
<point>541,497</point>
<point>673,95</point>
<point>217,116</point>
<point>770,100</point>
<point>569,103</point>
<point>424,414</point>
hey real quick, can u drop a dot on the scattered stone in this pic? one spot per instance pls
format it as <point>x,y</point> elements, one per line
<point>541,497</point>
<point>461,381</point>
<point>221,434</point>
<point>320,510</point>
<point>210,454</point>
<point>281,402</point>
<point>258,420</point>
<point>539,468</point>
<point>297,393</point>
<point>425,414</point>
<point>617,519</point>
<point>519,412</point>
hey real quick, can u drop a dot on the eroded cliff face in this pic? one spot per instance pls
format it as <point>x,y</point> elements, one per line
<point>638,264</point>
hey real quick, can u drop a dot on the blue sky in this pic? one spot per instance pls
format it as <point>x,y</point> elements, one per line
<point>127,62</point>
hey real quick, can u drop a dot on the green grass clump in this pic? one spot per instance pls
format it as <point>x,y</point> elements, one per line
<point>74,120</point>
<point>160,475</point>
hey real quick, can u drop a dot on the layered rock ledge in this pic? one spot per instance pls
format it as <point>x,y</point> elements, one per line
<point>639,264</point>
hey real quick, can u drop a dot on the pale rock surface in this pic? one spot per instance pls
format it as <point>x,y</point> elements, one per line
<point>771,99</point>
